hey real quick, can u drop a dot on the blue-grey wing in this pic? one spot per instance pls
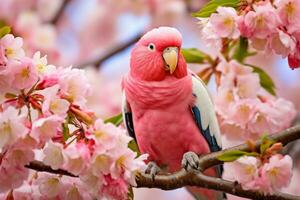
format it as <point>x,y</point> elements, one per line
<point>127,117</point>
<point>205,116</point>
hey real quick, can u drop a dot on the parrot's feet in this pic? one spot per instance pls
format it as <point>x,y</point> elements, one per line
<point>190,161</point>
<point>152,169</point>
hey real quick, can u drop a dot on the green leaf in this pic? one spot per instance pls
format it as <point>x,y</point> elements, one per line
<point>66,131</point>
<point>234,155</point>
<point>266,142</point>
<point>134,147</point>
<point>212,6</point>
<point>4,30</point>
<point>265,80</point>
<point>193,55</point>
<point>241,51</point>
<point>130,195</point>
<point>2,23</point>
<point>116,120</point>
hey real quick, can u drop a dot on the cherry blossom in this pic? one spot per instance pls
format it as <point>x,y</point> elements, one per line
<point>73,85</point>
<point>252,173</point>
<point>24,74</point>
<point>12,47</point>
<point>288,12</point>
<point>245,170</point>
<point>224,22</point>
<point>53,155</point>
<point>45,128</point>
<point>11,127</point>
<point>277,173</point>
<point>243,107</point>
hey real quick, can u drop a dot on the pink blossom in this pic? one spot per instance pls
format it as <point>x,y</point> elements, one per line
<point>282,43</point>
<point>94,183</point>
<point>289,14</point>
<point>209,35</point>
<point>24,74</point>
<point>244,109</point>
<point>49,185</point>
<point>272,116</point>
<point>11,127</point>
<point>224,22</point>
<point>74,193</point>
<point>44,37</point>
<point>44,129</point>
<point>114,188</point>
<point>12,170</point>
<point>5,81</point>
<point>108,136</point>
<point>74,85</point>
<point>12,47</point>
<point>294,57</point>
<point>53,155</point>
<point>42,66</point>
<point>277,173</point>
<point>26,22</point>
<point>245,170</point>
<point>259,23</point>
<point>107,102</point>
<point>126,162</point>
<point>53,104</point>
<point>48,81</point>
<point>238,80</point>
<point>77,157</point>
<point>3,58</point>
<point>101,164</point>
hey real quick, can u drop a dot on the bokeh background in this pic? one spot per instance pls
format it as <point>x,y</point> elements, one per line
<point>97,35</point>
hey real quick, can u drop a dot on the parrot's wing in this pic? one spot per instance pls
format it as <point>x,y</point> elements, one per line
<point>204,114</point>
<point>127,116</point>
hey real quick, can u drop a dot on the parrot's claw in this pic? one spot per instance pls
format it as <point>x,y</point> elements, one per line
<point>152,169</point>
<point>190,161</point>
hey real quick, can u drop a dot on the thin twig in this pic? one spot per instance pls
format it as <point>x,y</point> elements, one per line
<point>197,178</point>
<point>41,167</point>
<point>117,49</point>
<point>59,12</point>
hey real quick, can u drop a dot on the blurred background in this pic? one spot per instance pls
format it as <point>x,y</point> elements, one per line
<point>97,35</point>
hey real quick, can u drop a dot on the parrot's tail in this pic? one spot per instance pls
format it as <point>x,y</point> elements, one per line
<point>206,194</point>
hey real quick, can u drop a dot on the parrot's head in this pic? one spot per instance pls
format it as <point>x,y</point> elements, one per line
<point>157,55</point>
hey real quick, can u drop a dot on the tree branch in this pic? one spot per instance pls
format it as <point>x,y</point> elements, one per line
<point>115,50</point>
<point>41,167</point>
<point>183,178</point>
<point>197,178</point>
<point>59,12</point>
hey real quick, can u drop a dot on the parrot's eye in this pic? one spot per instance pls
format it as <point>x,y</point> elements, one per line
<point>151,47</point>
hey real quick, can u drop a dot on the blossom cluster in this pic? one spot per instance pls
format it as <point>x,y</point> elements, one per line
<point>44,116</point>
<point>30,19</point>
<point>253,173</point>
<point>245,109</point>
<point>268,25</point>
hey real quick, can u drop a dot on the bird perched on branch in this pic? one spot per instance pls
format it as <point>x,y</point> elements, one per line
<point>167,109</point>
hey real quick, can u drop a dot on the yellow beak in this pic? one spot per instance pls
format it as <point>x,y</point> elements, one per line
<point>170,56</point>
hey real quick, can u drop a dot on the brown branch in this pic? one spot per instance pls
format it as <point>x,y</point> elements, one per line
<point>115,50</point>
<point>197,178</point>
<point>41,167</point>
<point>183,178</point>
<point>59,12</point>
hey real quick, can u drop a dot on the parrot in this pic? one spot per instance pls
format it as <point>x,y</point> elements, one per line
<point>167,108</point>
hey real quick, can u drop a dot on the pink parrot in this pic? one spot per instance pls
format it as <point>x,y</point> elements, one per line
<point>167,109</point>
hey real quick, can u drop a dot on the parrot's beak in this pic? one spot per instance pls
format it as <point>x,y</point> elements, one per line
<point>170,56</point>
